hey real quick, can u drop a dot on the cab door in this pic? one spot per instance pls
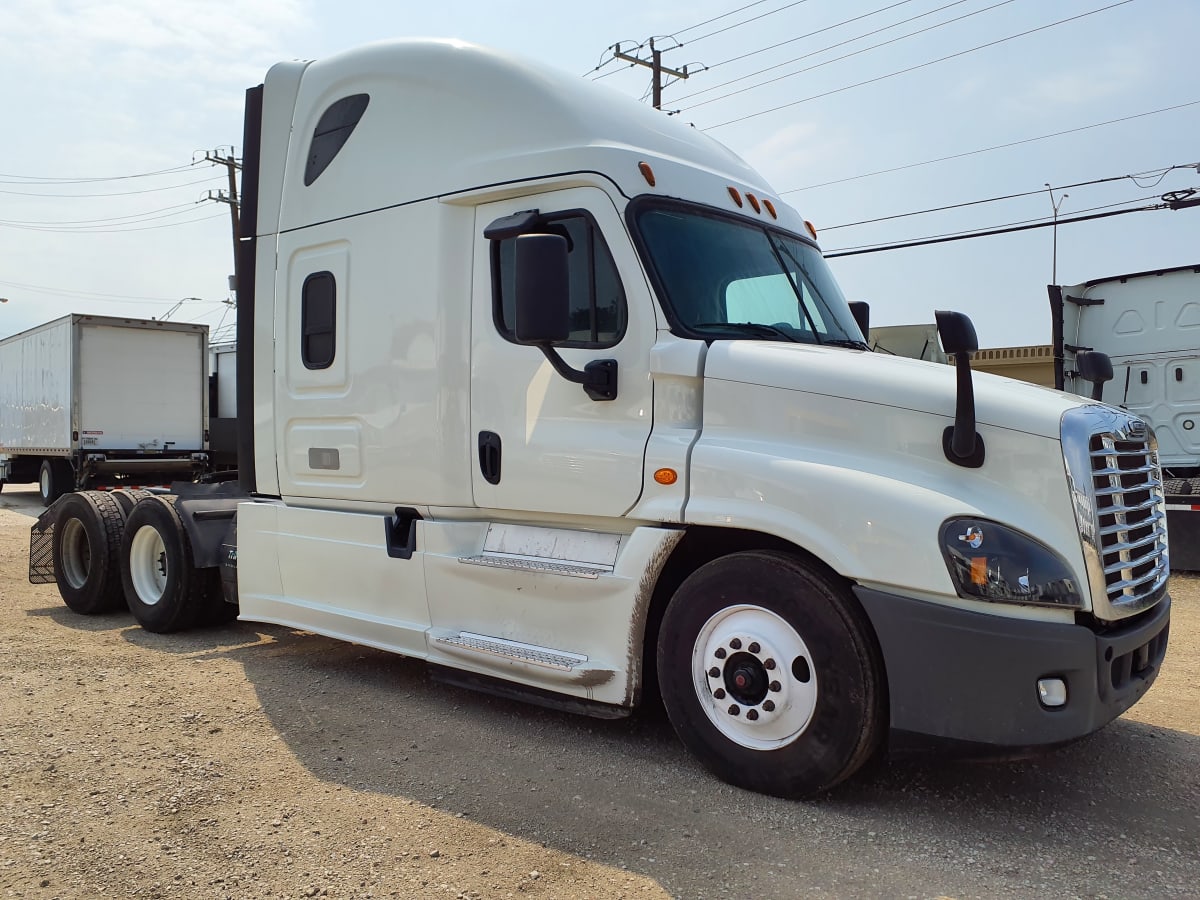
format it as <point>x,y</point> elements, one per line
<point>540,443</point>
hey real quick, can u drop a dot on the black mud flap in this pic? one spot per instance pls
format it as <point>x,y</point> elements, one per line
<point>41,547</point>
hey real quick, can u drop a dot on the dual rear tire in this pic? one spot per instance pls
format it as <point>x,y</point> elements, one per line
<point>130,548</point>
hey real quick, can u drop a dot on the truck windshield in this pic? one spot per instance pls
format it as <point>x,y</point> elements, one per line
<point>723,278</point>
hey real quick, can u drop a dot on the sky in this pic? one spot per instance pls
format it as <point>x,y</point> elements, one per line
<point>853,110</point>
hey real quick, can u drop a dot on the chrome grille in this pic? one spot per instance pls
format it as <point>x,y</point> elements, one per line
<point>1112,458</point>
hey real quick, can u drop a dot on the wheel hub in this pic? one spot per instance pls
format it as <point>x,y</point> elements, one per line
<point>754,677</point>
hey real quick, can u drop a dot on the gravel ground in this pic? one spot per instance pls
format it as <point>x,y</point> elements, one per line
<point>256,761</point>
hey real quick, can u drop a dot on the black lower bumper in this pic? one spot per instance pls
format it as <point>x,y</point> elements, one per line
<point>968,678</point>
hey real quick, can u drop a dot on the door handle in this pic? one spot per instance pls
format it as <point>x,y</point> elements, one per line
<point>489,456</point>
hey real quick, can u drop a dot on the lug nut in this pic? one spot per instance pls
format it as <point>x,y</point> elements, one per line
<point>769,664</point>
<point>714,672</point>
<point>719,693</point>
<point>736,643</point>
<point>752,715</point>
<point>769,705</point>
<point>754,648</point>
<point>734,710</point>
<point>776,686</point>
<point>720,654</point>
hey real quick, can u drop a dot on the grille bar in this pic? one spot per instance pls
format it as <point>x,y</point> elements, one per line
<point>1116,483</point>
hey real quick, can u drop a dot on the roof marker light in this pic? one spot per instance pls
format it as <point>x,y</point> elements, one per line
<point>737,198</point>
<point>770,208</point>
<point>647,173</point>
<point>811,228</point>
<point>666,476</point>
<point>754,202</point>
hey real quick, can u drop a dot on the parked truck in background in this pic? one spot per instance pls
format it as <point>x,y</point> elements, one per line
<point>555,393</point>
<point>1148,323</point>
<point>88,401</point>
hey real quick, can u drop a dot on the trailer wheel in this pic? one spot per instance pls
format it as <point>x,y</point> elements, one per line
<point>86,552</point>
<point>770,674</point>
<point>164,591</point>
<point>55,478</point>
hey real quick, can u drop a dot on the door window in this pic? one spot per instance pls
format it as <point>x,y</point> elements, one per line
<point>597,303</point>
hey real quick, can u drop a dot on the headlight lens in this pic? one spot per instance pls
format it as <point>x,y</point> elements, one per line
<point>989,561</point>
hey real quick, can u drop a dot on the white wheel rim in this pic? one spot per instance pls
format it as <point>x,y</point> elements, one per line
<point>754,677</point>
<point>76,555</point>
<point>148,565</point>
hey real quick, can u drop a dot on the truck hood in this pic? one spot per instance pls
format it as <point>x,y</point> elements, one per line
<point>889,381</point>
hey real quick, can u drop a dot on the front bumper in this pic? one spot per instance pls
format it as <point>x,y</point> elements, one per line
<point>965,677</point>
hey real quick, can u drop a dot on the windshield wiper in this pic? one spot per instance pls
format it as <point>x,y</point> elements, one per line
<point>750,328</point>
<point>847,342</point>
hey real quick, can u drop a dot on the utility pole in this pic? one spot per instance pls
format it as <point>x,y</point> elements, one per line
<point>231,197</point>
<point>1054,204</point>
<point>654,63</point>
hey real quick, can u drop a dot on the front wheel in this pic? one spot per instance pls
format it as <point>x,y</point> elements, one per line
<point>770,674</point>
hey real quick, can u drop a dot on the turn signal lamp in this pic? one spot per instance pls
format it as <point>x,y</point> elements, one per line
<point>666,476</point>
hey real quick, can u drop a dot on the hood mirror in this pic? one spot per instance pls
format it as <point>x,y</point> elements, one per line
<point>961,442</point>
<point>1095,367</point>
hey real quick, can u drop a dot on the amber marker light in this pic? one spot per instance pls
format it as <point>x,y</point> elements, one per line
<point>811,228</point>
<point>737,198</point>
<point>770,208</point>
<point>647,173</point>
<point>754,202</point>
<point>666,476</point>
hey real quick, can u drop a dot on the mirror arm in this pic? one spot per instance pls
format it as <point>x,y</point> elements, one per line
<point>598,377</point>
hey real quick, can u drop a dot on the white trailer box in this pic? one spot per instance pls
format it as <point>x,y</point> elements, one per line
<point>88,400</point>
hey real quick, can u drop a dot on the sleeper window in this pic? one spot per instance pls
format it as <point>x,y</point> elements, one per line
<point>597,300</point>
<point>317,331</point>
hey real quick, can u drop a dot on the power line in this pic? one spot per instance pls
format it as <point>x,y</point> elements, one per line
<point>866,15</point>
<point>111,220</point>
<point>827,62</point>
<point>942,239</point>
<point>919,66</point>
<point>43,289</point>
<point>109,230</point>
<point>45,179</point>
<point>169,187</point>
<point>721,16</point>
<point>1162,173</point>
<point>745,22</point>
<point>1043,137</point>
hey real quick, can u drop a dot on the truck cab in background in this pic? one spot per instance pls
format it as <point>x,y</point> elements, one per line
<point>1148,323</point>
<point>553,392</point>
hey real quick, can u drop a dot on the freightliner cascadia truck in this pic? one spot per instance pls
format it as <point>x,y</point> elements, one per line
<point>1148,325</point>
<point>555,393</point>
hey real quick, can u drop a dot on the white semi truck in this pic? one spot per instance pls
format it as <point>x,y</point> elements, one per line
<point>1148,324</point>
<point>555,393</point>
<point>96,400</point>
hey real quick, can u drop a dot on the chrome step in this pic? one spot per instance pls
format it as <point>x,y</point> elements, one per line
<point>529,564</point>
<point>513,650</point>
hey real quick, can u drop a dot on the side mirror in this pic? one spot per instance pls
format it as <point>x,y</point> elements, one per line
<point>957,332</point>
<point>542,289</point>
<point>961,443</point>
<point>543,317</point>
<point>1095,367</point>
<point>861,310</point>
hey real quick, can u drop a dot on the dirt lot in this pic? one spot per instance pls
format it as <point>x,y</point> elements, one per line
<point>252,761</point>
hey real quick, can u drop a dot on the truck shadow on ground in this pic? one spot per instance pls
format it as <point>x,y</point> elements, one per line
<point>625,792</point>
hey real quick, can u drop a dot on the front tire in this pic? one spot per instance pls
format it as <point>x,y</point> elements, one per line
<point>164,591</point>
<point>770,674</point>
<point>86,552</point>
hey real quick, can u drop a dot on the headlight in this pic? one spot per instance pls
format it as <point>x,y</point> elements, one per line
<point>989,561</point>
